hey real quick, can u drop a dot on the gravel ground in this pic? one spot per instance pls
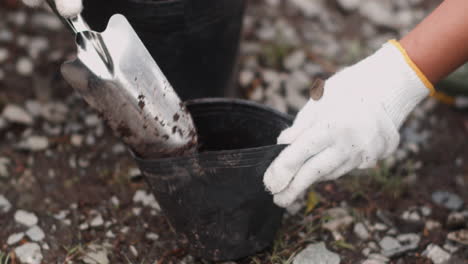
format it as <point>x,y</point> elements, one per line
<point>69,192</point>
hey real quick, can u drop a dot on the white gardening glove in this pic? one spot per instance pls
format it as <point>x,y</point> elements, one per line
<point>67,8</point>
<point>353,125</point>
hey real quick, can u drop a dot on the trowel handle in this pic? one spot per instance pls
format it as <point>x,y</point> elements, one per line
<point>75,24</point>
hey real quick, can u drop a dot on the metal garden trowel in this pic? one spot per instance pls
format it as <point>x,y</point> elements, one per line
<point>117,76</point>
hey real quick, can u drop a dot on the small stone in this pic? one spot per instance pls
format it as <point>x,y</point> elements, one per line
<point>152,236</point>
<point>115,201</point>
<point>246,77</point>
<point>379,227</point>
<point>97,221</point>
<point>436,254</point>
<point>15,238</point>
<point>378,257</point>
<point>457,219</point>
<point>361,231</point>
<point>134,173</point>
<point>316,253</point>
<point>136,211</point>
<point>110,234</point>
<point>35,233</point>
<point>24,66</point>
<point>45,246</point>
<point>4,162</point>
<point>407,242</point>
<point>432,225</point>
<point>25,218</point>
<point>83,226</point>
<point>389,243</point>
<point>95,254</point>
<point>133,250</point>
<point>16,114</point>
<point>4,53</point>
<point>29,253</point>
<point>426,211</point>
<point>146,199</point>
<point>295,60</point>
<point>34,143</point>
<point>366,251</point>
<point>460,236</point>
<point>448,200</point>
<point>411,215</point>
<point>5,205</point>
<point>76,140</point>
<point>339,220</point>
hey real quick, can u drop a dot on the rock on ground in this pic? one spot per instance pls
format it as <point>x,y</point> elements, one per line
<point>448,200</point>
<point>5,205</point>
<point>316,254</point>
<point>16,114</point>
<point>15,238</point>
<point>35,233</point>
<point>95,254</point>
<point>29,253</point>
<point>26,218</point>
<point>147,199</point>
<point>436,254</point>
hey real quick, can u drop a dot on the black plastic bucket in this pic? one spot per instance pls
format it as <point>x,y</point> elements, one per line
<point>216,199</point>
<point>194,42</point>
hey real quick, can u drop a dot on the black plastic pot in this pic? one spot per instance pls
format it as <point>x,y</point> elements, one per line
<point>216,199</point>
<point>194,42</point>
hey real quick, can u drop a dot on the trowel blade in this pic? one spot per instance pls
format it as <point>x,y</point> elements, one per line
<point>117,76</point>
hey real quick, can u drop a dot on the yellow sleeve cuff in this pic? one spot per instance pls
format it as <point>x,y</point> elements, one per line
<point>410,62</point>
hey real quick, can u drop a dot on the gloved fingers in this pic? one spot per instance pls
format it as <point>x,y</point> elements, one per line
<point>69,8</point>
<point>314,169</point>
<point>280,173</point>
<point>289,135</point>
<point>305,119</point>
<point>32,3</point>
<point>341,170</point>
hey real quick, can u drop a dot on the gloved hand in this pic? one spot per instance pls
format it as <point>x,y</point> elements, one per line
<point>353,125</point>
<point>67,8</point>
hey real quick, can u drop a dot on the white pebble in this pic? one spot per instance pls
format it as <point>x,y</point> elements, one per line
<point>152,236</point>
<point>133,250</point>
<point>24,66</point>
<point>4,53</point>
<point>34,143</point>
<point>26,218</point>
<point>15,238</point>
<point>147,199</point>
<point>29,253</point>
<point>97,221</point>
<point>35,233</point>
<point>16,114</point>
<point>436,254</point>
<point>5,205</point>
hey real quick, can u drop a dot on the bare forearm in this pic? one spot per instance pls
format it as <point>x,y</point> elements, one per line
<point>439,44</point>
